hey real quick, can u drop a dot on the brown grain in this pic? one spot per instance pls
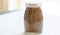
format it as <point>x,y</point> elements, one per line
<point>33,19</point>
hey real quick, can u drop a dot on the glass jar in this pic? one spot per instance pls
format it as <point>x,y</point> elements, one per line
<point>33,18</point>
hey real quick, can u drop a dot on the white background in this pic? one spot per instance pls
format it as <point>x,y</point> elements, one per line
<point>13,23</point>
<point>12,5</point>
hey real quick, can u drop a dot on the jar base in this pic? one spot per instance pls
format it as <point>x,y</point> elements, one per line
<point>32,33</point>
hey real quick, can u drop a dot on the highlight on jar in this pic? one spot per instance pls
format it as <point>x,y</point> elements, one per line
<point>8,5</point>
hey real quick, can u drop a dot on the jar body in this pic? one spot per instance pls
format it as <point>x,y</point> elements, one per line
<point>33,19</point>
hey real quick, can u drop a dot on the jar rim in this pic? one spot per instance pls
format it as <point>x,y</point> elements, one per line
<point>35,5</point>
